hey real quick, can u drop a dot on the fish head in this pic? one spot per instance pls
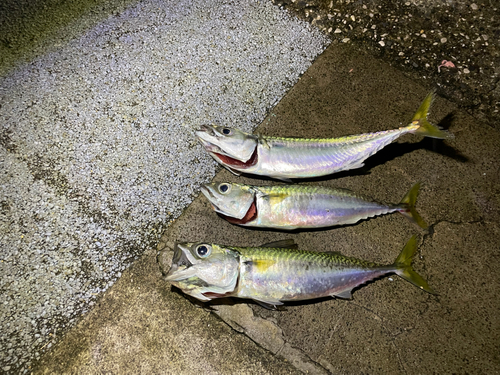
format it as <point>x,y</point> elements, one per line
<point>233,200</point>
<point>227,142</point>
<point>204,270</point>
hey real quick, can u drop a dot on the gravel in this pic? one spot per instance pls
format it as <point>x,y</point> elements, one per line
<point>418,37</point>
<point>97,147</point>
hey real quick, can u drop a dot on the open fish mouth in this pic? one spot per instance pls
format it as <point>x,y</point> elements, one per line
<point>180,256</point>
<point>181,263</point>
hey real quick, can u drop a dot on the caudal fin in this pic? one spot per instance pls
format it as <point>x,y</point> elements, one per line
<point>405,270</point>
<point>425,128</point>
<point>408,207</point>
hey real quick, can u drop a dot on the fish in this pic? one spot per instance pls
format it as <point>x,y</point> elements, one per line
<point>289,158</point>
<point>290,207</point>
<point>278,272</point>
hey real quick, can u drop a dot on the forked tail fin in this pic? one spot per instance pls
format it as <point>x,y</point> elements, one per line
<point>408,207</point>
<point>425,128</point>
<point>405,270</point>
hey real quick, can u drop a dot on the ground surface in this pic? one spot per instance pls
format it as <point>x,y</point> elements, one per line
<point>389,326</point>
<point>417,37</point>
<point>97,149</point>
<point>141,325</point>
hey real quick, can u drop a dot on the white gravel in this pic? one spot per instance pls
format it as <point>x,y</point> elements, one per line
<point>97,150</point>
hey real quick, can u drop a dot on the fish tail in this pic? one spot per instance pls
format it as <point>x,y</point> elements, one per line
<point>408,207</point>
<point>424,127</point>
<point>405,270</point>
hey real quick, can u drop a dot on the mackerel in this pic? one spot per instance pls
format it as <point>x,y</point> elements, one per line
<point>278,273</point>
<point>288,158</point>
<point>289,207</point>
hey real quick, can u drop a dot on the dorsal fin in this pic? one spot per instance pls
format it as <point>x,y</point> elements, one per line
<point>333,252</point>
<point>284,244</point>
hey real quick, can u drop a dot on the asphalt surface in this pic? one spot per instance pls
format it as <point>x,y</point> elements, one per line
<point>89,182</point>
<point>98,152</point>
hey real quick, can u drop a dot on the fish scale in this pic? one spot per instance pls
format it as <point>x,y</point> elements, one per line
<point>313,273</point>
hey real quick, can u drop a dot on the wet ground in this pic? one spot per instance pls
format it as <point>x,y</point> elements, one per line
<point>367,80</point>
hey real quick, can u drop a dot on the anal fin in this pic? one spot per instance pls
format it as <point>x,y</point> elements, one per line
<point>344,294</point>
<point>268,304</point>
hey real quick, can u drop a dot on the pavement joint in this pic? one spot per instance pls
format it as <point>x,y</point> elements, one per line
<point>430,231</point>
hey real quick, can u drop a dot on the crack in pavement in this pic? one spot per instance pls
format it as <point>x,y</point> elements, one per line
<point>267,335</point>
<point>431,230</point>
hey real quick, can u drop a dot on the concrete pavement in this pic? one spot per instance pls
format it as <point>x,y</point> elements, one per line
<point>97,154</point>
<point>142,325</point>
<point>97,107</point>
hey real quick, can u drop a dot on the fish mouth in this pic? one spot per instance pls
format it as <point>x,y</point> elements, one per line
<point>205,129</point>
<point>214,206</point>
<point>207,193</point>
<point>211,197</point>
<point>210,138</point>
<point>207,133</point>
<point>248,216</point>
<point>181,262</point>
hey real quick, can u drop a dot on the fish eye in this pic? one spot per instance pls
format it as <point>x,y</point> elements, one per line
<point>203,251</point>
<point>224,188</point>
<point>226,131</point>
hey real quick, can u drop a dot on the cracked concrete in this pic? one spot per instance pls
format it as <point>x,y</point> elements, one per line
<point>390,327</point>
<point>266,334</point>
